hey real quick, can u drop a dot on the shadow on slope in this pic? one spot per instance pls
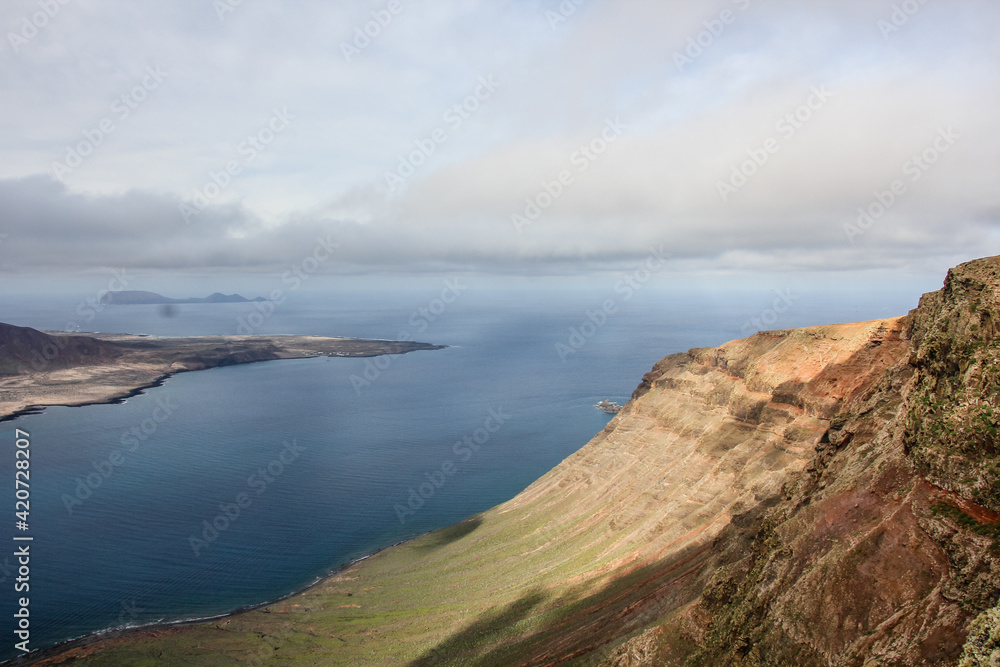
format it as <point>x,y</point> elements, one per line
<point>486,630</point>
<point>538,629</point>
<point>445,536</point>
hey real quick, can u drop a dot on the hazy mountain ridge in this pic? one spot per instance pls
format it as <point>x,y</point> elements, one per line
<point>137,297</point>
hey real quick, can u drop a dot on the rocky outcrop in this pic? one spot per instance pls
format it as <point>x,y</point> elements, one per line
<point>952,418</point>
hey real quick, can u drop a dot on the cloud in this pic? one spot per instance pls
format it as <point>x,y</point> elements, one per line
<point>701,88</point>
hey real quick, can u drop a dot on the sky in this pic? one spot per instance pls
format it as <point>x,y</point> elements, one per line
<point>498,137</point>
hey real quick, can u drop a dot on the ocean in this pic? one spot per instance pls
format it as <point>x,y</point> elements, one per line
<point>231,487</point>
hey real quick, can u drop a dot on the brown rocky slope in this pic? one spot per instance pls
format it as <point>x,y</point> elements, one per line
<point>820,496</point>
<point>883,551</point>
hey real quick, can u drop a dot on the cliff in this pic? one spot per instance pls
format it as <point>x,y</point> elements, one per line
<point>820,496</point>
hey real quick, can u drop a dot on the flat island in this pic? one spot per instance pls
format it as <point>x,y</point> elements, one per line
<point>39,369</point>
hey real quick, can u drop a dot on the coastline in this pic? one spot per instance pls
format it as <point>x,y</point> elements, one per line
<point>62,649</point>
<point>113,400</point>
<point>184,352</point>
<point>142,362</point>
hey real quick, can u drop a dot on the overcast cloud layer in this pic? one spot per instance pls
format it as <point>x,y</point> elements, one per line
<point>670,97</point>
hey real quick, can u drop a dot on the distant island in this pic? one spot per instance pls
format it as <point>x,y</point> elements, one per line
<point>141,298</point>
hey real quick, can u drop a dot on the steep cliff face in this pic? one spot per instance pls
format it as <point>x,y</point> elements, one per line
<point>951,423</point>
<point>883,552</point>
<point>784,500</point>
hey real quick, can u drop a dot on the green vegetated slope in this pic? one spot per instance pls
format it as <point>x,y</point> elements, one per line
<point>785,499</point>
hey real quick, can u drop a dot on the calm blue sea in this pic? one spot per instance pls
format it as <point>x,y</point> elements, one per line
<point>314,463</point>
